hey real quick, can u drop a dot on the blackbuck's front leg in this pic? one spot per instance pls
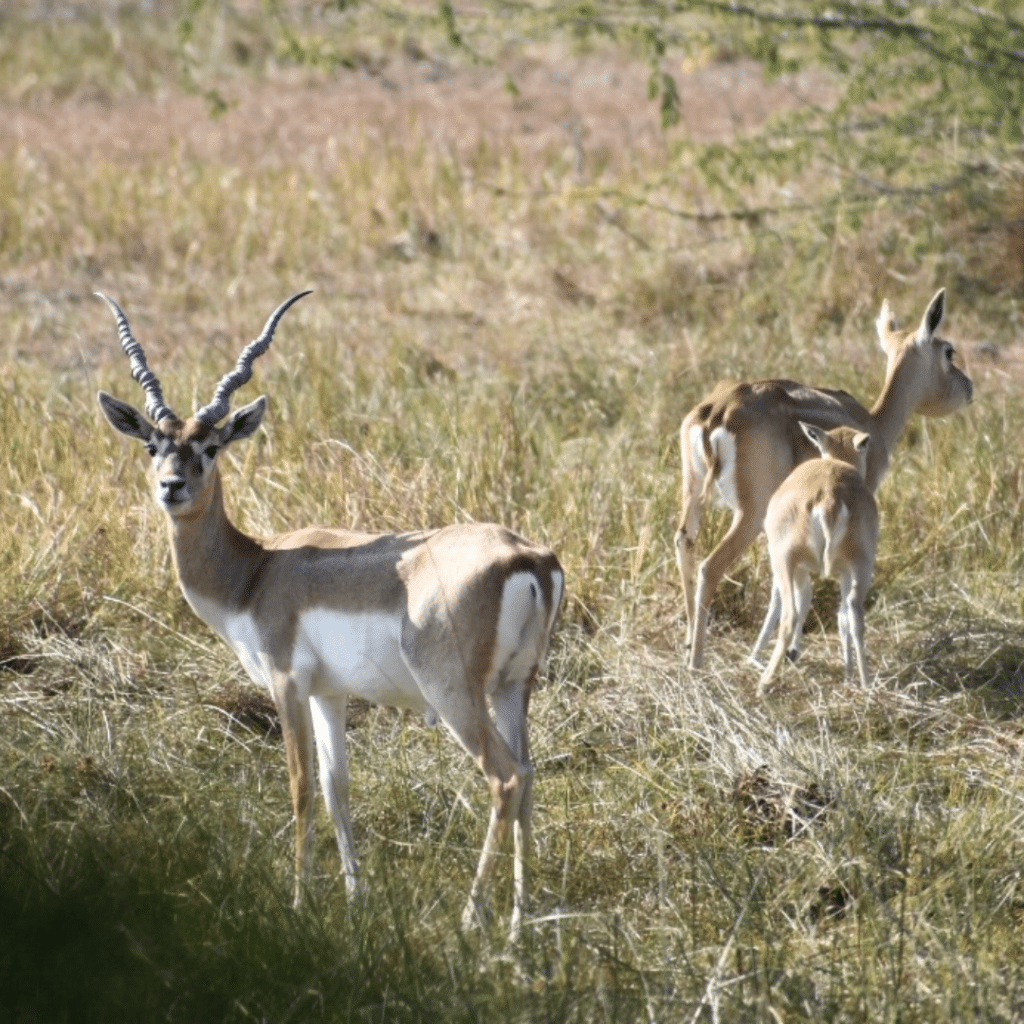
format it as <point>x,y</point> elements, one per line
<point>297,731</point>
<point>329,723</point>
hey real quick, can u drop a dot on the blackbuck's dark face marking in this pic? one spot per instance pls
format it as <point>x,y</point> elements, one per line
<point>183,466</point>
<point>183,472</point>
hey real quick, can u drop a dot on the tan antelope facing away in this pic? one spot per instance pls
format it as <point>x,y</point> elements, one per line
<point>440,621</point>
<point>823,520</point>
<point>744,439</point>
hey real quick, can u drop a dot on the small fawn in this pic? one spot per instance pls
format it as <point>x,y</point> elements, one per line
<point>822,520</point>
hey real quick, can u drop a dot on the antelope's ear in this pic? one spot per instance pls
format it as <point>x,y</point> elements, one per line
<point>885,324</point>
<point>125,418</point>
<point>243,423</point>
<point>815,435</point>
<point>933,317</point>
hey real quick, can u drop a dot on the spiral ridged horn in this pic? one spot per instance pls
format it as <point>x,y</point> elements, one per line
<point>156,408</point>
<point>219,407</point>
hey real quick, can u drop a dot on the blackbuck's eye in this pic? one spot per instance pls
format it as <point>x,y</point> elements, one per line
<point>211,452</point>
<point>151,448</point>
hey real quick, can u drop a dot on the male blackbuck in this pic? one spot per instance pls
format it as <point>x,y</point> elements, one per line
<point>823,520</point>
<point>745,438</point>
<point>441,621</point>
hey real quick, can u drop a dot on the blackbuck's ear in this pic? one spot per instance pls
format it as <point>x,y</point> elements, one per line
<point>885,324</point>
<point>243,423</point>
<point>933,317</point>
<point>815,435</point>
<point>125,418</point>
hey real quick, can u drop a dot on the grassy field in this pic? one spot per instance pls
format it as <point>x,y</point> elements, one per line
<point>518,295</point>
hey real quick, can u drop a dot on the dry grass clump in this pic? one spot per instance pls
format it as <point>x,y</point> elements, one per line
<point>499,331</point>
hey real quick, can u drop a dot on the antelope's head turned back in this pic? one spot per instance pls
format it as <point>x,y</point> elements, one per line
<point>183,452</point>
<point>924,361</point>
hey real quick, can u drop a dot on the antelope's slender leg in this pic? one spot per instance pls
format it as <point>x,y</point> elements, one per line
<point>329,723</point>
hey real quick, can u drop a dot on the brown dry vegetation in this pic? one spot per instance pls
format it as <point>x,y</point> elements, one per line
<point>519,292</point>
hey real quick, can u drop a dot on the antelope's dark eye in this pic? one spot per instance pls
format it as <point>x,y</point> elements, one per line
<point>211,452</point>
<point>151,448</point>
<point>950,353</point>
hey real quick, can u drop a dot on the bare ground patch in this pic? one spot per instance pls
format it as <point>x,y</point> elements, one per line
<point>591,103</point>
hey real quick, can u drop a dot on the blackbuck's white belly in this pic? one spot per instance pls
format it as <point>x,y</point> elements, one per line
<point>360,653</point>
<point>332,652</point>
<point>356,653</point>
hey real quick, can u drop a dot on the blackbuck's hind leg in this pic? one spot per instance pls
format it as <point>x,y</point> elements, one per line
<point>511,704</point>
<point>329,716</point>
<point>804,596</point>
<point>851,624</point>
<point>742,533</point>
<point>297,730</point>
<point>471,724</point>
<point>686,543</point>
<point>844,628</point>
<point>856,614</point>
<point>793,585</point>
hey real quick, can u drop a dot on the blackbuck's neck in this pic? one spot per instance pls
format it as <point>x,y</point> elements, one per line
<point>214,560</point>
<point>889,418</point>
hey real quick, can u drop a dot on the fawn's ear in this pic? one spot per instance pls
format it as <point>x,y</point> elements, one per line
<point>125,418</point>
<point>815,435</point>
